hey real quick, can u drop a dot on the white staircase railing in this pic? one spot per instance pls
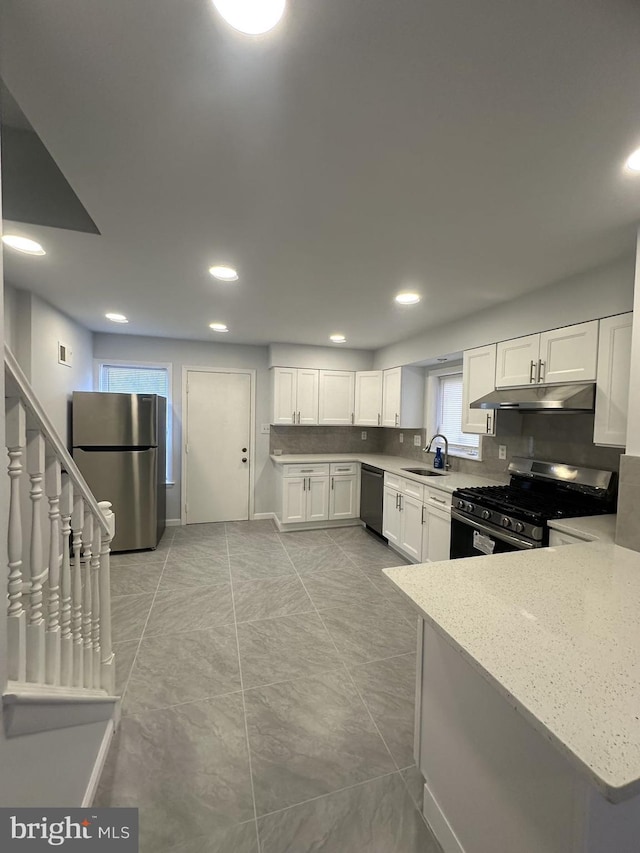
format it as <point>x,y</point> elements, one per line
<point>59,616</point>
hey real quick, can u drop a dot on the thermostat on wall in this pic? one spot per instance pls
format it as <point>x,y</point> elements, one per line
<point>64,354</point>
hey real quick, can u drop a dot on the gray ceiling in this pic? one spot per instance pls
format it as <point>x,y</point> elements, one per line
<point>470,150</point>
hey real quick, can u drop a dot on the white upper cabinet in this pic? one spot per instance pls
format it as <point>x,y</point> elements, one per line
<point>570,354</point>
<point>562,355</point>
<point>517,361</point>
<point>337,396</point>
<point>612,389</point>
<point>295,395</point>
<point>478,379</point>
<point>368,398</point>
<point>403,397</point>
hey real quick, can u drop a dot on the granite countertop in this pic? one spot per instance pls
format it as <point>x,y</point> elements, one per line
<point>591,528</point>
<point>448,482</point>
<point>557,631</point>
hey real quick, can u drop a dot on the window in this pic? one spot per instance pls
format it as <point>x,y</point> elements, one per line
<point>448,418</point>
<point>140,379</point>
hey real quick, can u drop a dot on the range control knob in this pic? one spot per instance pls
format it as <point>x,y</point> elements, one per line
<point>505,521</point>
<point>486,514</point>
<point>518,527</point>
<point>460,504</point>
<point>470,507</point>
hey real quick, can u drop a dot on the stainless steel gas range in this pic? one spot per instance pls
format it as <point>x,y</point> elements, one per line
<point>495,519</point>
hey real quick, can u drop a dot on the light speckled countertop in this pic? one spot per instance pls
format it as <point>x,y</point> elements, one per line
<point>557,631</point>
<point>591,528</point>
<point>448,482</point>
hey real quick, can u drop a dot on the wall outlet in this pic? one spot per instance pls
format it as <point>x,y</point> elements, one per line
<point>502,451</point>
<point>416,441</point>
<point>265,429</point>
<point>363,435</point>
<point>277,452</point>
<point>401,438</point>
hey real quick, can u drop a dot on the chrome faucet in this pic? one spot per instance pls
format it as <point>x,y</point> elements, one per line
<point>427,449</point>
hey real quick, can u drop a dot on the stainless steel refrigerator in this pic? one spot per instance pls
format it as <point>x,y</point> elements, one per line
<point>119,444</point>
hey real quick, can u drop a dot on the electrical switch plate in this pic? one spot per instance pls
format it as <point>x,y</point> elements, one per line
<point>502,451</point>
<point>416,440</point>
<point>363,435</point>
<point>401,438</point>
<point>265,429</point>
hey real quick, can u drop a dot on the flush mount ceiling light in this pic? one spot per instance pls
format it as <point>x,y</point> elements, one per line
<point>116,318</point>
<point>224,273</point>
<point>252,17</point>
<point>218,327</point>
<point>23,244</point>
<point>338,339</point>
<point>633,162</point>
<point>408,298</point>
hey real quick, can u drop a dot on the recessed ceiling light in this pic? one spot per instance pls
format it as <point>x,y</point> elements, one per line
<point>116,318</point>
<point>633,162</point>
<point>224,273</point>
<point>408,298</point>
<point>218,327</point>
<point>23,244</point>
<point>251,16</point>
<point>337,339</point>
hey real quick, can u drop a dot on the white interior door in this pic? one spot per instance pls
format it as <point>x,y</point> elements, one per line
<point>218,435</point>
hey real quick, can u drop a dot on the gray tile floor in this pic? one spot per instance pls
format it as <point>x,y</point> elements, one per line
<point>268,690</point>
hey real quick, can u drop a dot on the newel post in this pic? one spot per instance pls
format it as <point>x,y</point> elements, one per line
<point>107,664</point>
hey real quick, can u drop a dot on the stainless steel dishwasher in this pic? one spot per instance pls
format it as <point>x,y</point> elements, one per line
<point>371,497</point>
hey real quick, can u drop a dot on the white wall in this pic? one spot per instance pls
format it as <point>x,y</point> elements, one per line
<point>200,354</point>
<point>633,424</point>
<point>589,296</point>
<point>324,358</point>
<point>17,325</point>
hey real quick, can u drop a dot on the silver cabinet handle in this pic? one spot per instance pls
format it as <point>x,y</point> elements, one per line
<point>541,368</point>
<point>342,469</point>
<point>332,484</point>
<point>304,485</point>
<point>438,500</point>
<point>353,418</point>
<point>306,470</point>
<point>397,496</point>
<point>378,418</point>
<point>532,371</point>
<point>298,417</point>
<point>293,419</point>
<point>396,419</point>
<point>400,497</point>
<point>309,483</point>
<point>488,423</point>
<point>422,522</point>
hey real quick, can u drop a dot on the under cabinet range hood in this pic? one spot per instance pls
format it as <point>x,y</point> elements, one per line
<point>577,398</point>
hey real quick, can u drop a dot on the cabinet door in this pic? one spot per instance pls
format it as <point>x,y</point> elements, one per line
<point>317,498</point>
<point>478,379</point>
<point>284,381</point>
<point>391,516</point>
<point>569,354</point>
<point>343,497</point>
<point>391,397</point>
<point>411,513</point>
<point>307,397</point>
<point>294,499</point>
<point>438,536</point>
<point>612,390</point>
<point>368,398</point>
<point>336,398</point>
<point>557,537</point>
<point>517,361</point>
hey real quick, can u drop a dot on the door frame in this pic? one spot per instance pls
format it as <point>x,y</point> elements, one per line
<point>251,372</point>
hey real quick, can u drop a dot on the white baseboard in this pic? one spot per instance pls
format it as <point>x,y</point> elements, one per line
<point>317,525</point>
<point>98,767</point>
<point>263,516</point>
<point>439,824</point>
<point>173,522</point>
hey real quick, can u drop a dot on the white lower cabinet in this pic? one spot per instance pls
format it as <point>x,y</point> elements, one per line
<point>417,520</point>
<point>319,492</point>
<point>559,537</point>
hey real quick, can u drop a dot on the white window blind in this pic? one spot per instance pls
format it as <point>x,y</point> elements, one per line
<point>134,380</point>
<point>450,415</point>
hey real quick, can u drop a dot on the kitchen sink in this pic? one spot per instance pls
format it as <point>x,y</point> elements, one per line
<point>424,472</point>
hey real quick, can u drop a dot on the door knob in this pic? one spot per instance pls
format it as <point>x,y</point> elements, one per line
<point>244,458</point>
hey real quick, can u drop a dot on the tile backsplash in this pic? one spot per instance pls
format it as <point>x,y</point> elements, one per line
<point>556,437</point>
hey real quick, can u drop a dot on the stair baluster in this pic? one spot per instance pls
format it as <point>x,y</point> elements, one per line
<point>77,523</point>
<point>87,540</point>
<point>66,638</point>
<point>53,484</point>
<point>16,441</point>
<point>95,604</point>
<point>36,625</point>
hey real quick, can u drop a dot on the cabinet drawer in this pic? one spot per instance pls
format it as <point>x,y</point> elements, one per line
<point>413,489</point>
<point>393,481</point>
<point>437,499</point>
<point>344,467</point>
<point>305,470</point>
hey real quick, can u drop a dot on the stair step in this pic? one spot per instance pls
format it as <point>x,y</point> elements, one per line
<point>30,708</point>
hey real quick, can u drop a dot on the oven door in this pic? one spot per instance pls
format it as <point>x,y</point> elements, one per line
<point>470,538</point>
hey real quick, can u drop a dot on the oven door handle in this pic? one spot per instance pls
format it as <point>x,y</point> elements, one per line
<point>492,533</point>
